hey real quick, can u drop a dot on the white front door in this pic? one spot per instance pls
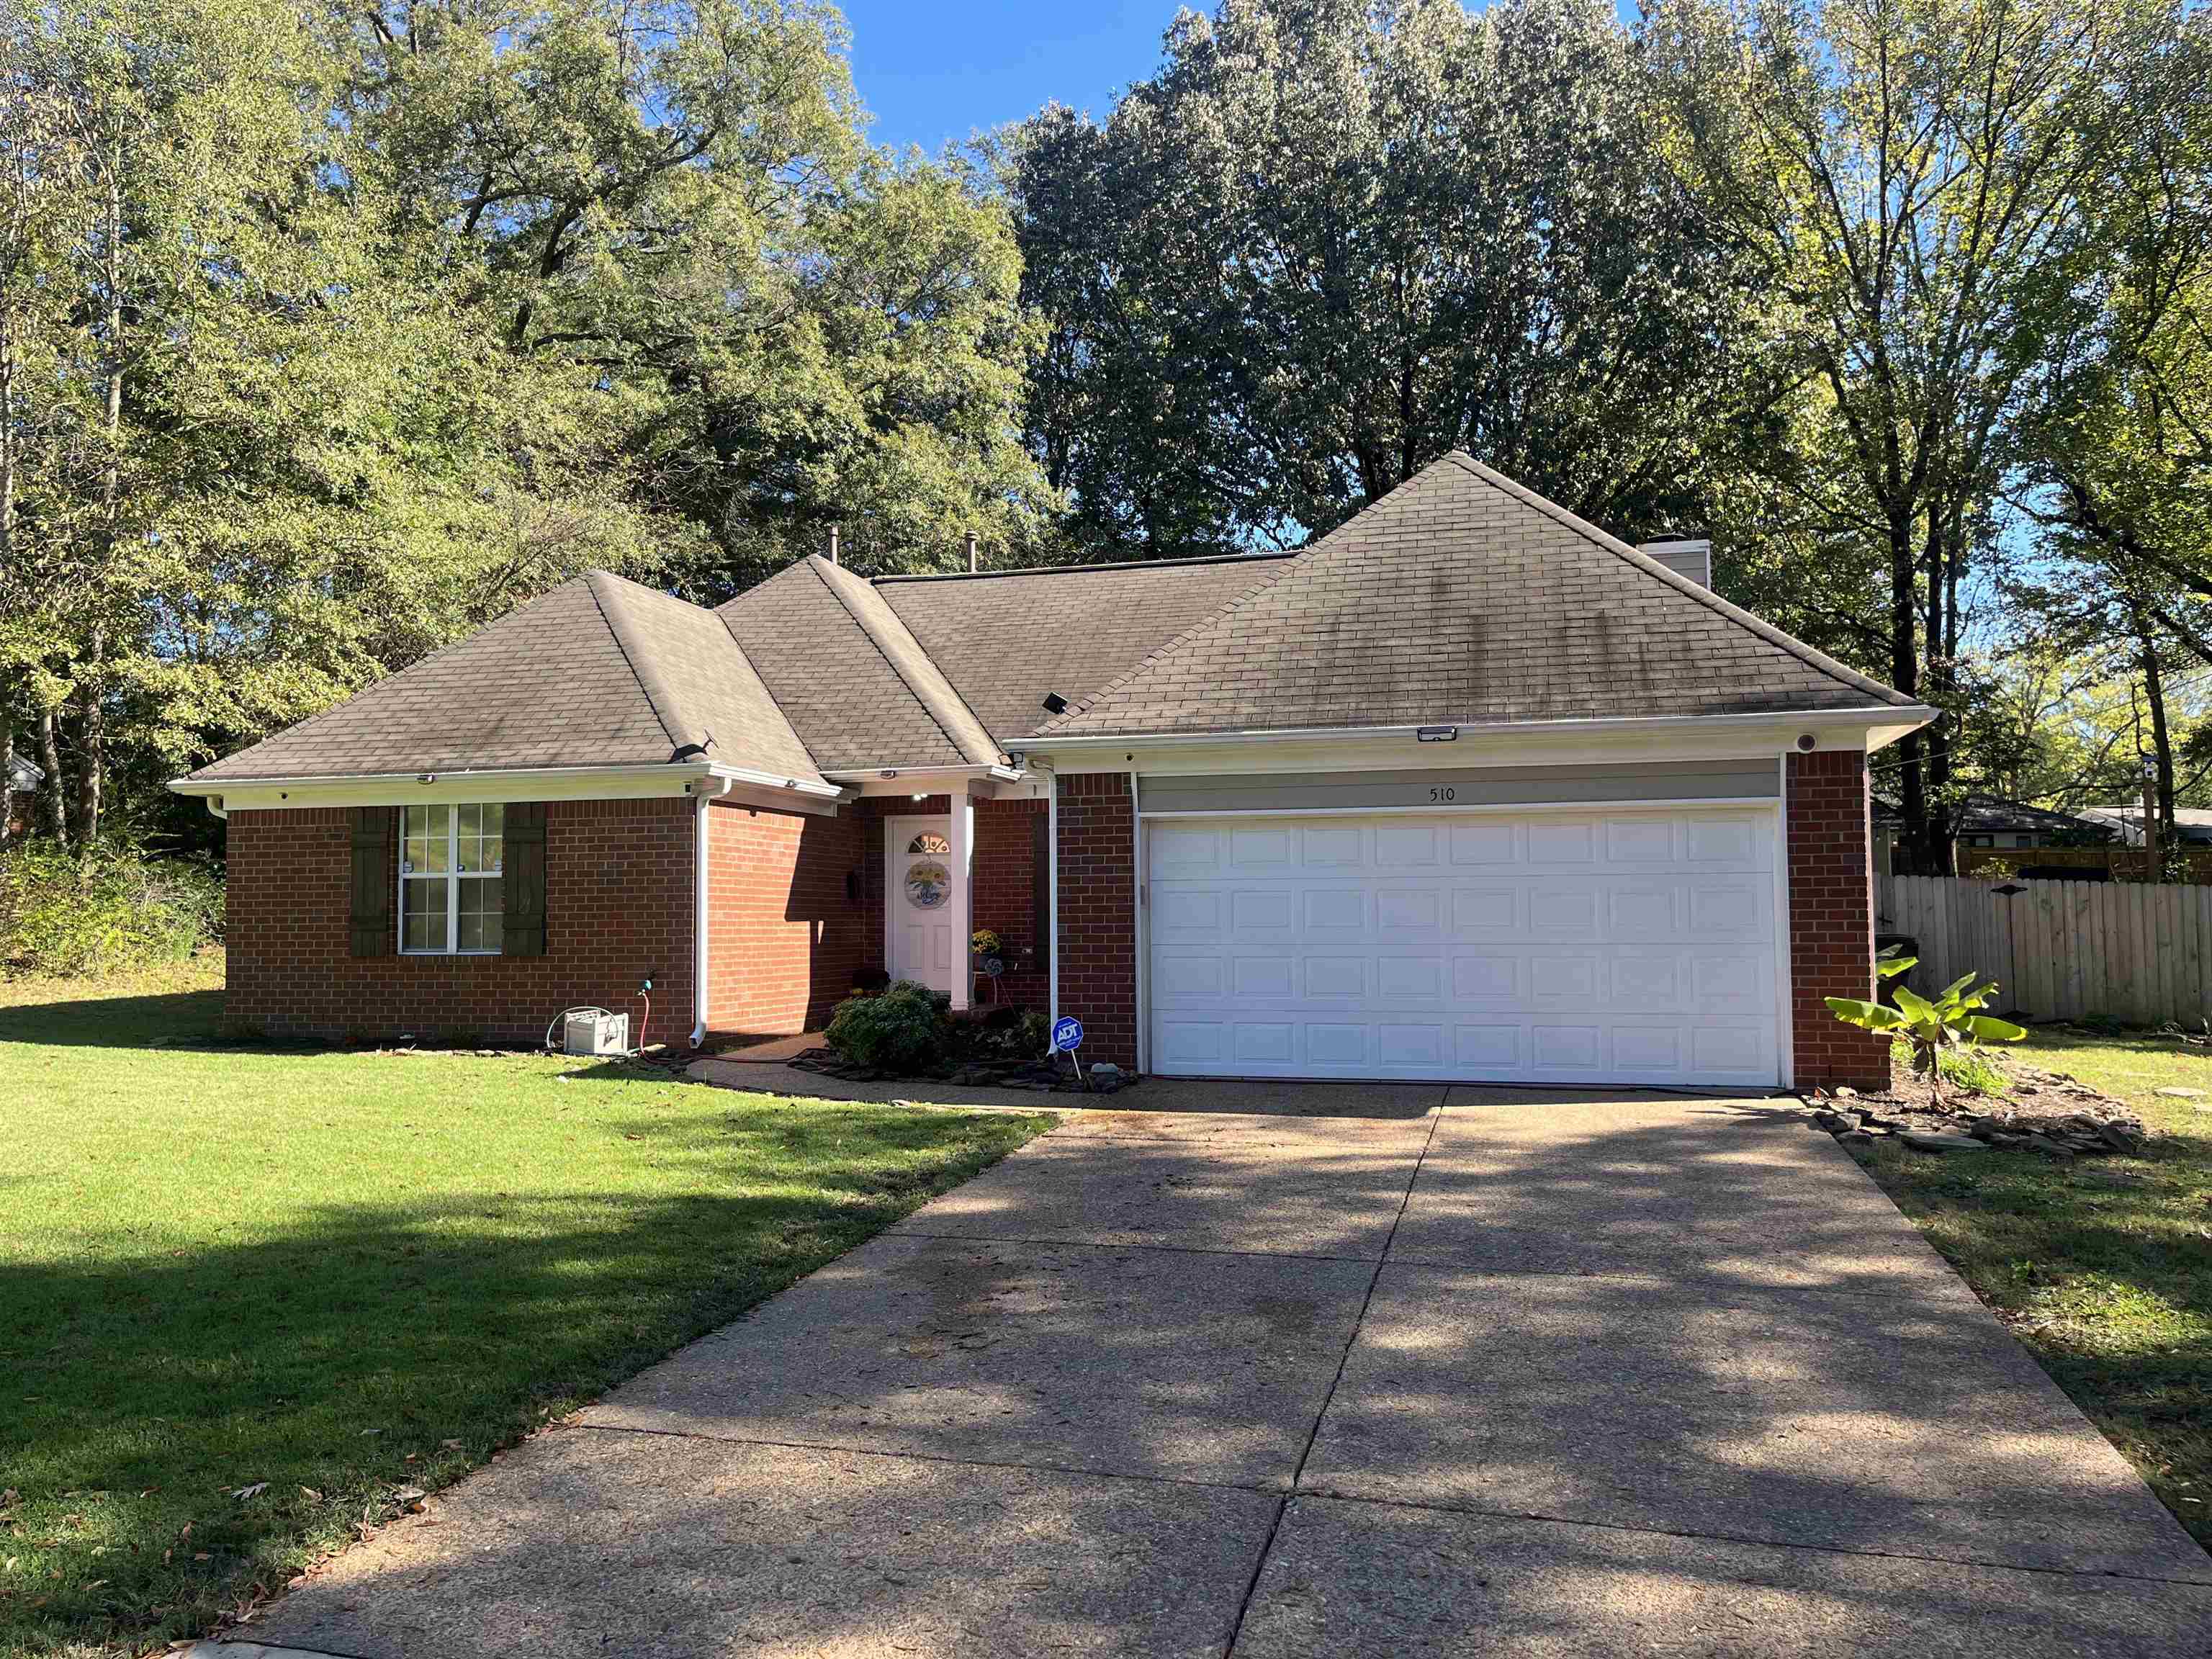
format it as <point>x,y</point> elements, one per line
<point>1606,946</point>
<point>918,878</point>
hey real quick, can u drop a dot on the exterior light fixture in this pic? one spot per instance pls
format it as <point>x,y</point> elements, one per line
<point>1438,734</point>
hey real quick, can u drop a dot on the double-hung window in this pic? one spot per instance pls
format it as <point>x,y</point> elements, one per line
<point>449,880</point>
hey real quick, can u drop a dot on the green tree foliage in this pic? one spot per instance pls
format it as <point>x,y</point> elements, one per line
<point>327,336</point>
<point>674,200</point>
<point>1921,179</point>
<point>1329,241</point>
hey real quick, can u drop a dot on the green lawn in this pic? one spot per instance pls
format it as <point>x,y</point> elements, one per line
<point>247,1296</point>
<point>2111,1286</point>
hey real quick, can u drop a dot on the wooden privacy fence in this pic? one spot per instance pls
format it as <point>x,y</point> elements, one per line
<point>2062,950</point>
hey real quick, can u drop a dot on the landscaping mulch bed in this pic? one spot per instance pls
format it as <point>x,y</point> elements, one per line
<point>1038,1076</point>
<point>2047,1112</point>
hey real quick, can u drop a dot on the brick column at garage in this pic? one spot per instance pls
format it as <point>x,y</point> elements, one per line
<point>1832,920</point>
<point>1096,924</point>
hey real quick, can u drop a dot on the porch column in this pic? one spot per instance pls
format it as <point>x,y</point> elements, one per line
<point>962,904</point>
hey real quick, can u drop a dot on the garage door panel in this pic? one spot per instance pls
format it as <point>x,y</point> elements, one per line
<point>1259,850</point>
<point>1259,912</point>
<point>1487,842</point>
<point>1611,947</point>
<point>1181,912</point>
<point>1332,846</point>
<point>1487,978</point>
<point>1408,844</point>
<point>1484,911</point>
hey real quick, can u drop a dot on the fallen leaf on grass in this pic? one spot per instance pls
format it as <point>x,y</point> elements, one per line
<point>243,1493</point>
<point>311,1494</point>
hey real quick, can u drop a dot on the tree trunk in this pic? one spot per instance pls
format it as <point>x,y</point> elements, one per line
<point>1905,675</point>
<point>50,758</point>
<point>2161,740</point>
<point>91,725</point>
<point>92,776</point>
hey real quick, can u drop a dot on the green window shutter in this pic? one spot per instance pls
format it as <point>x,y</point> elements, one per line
<point>373,872</point>
<point>522,897</point>
<point>1041,888</point>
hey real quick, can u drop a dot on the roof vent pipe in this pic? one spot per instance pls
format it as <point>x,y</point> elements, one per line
<point>974,563</point>
<point>833,543</point>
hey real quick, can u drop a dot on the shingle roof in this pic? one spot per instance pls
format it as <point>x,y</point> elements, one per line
<point>1458,598</point>
<point>698,679</point>
<point>832,681</point>
<point>1005,638</point>
<point>1463,598</point>
<point>598,672</point>
<point>903,652</point>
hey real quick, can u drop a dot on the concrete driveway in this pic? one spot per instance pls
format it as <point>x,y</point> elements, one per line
<point>1466,1373</point>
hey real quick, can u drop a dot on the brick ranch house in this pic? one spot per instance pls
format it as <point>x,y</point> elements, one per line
<point>1465,789</point>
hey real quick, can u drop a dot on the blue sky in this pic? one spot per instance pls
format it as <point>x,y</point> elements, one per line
<point>931,72</point>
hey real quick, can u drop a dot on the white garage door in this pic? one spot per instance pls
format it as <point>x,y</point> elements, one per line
<point>1609,947</point>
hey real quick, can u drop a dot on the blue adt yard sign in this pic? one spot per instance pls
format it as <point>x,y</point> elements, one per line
<point>1067,1035</point>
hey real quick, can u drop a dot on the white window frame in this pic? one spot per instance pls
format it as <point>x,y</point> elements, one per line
<point>453,875</point>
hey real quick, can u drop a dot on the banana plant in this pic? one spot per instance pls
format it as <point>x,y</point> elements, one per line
<point>1951,1019</point>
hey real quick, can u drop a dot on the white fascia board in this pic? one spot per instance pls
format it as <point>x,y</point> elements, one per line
<point>499,784</point>
<point>924,780</point>
<point>1565,741</point>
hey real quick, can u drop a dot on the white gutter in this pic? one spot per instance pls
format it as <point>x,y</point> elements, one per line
<point>706,803</point>
<point>518,774</point>
<point>926,774</point>
<point>1911,716</point>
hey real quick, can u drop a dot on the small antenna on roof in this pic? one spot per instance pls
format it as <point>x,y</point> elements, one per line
<point>974,565</point>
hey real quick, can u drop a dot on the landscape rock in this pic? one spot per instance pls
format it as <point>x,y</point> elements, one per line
<point>2180,1093</point>
<point>1942,1142</point>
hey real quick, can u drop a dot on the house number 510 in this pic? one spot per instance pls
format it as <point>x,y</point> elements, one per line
<point>1443,792</point>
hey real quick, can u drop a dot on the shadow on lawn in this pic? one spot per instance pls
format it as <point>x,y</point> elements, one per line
<point>317,1359</point>
<point>165,1019</point>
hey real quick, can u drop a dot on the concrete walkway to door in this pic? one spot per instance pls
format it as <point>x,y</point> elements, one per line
<point>1468,1373</point>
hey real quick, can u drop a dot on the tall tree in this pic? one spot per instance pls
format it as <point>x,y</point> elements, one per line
<point>674,198</point>
<point>1330,240</point>
<point>1918,177</point>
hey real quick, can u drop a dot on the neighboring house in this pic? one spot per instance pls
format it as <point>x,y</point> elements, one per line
<point>1986,820</point>
<point>1991,829</point>
<point>23,781</point>
<point>2191,825</point>
<point>1465,789</point>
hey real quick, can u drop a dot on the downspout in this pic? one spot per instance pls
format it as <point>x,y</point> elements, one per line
<point>706,801</point>
<point>1051,886</point>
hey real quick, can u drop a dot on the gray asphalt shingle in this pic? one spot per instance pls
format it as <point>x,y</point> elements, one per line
<point>1463,598</point>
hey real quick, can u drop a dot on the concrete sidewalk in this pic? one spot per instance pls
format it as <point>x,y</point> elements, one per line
<point>1569,1378</point>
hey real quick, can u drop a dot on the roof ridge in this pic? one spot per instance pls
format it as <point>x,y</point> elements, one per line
<point>915,668</point>
<point>891,577</point>
<point>1283,568</point>
<point>1705,596</point>
<point>660,696</point>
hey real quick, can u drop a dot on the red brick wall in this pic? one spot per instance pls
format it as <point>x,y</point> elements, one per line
<point>784,936</point>
<point>1006,888</point>
<point>1831,920</point>
<point>1097,920</point>
<point>619,906</point>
